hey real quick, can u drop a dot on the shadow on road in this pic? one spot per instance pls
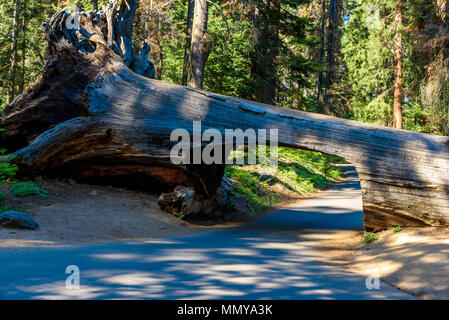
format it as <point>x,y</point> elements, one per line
<point>265,259</point>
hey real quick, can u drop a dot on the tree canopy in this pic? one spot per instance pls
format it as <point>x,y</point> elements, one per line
<point>330,56</point>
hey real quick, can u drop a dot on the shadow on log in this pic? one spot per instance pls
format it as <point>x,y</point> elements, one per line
<point>90,114</point>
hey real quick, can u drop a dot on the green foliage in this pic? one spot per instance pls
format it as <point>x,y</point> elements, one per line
<point>2,197</point>
<point>397,229</point>
<point>23,189</point>
<point>228,66</point>
<point>7,170</point>
<point>231,31</point>
<point>414,117</point>
<point>367,53</point>
<point>179,215</point>
<point>250,186</point>
<point>30,37</point>
<point>298,171</point>
<point>370,237</point>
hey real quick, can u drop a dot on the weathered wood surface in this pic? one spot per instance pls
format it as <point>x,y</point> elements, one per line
<point>122,124</point>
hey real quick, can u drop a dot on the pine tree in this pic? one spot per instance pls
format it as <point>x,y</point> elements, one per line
<point>367,48</point>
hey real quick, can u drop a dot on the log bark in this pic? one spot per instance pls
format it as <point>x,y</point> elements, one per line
<point>92,117</point>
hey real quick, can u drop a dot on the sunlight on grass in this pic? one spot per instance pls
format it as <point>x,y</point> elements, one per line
<point>299,172</point>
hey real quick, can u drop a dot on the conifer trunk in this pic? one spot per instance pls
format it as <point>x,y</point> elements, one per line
<point>23,47</point>
<point>397,52</point>
<point>265,51</point>
<point>188,45</point>
<point>200,44</point>
<point>333,38</point>
<point>13,65</point>
<point>321,58</point>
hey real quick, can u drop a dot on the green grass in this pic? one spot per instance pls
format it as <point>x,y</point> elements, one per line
<point>298,171</point>
<point>250,185</point>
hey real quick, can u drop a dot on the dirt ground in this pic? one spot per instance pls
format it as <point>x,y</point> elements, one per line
<point>75,214</point>
<point>415,260</point>
<point>79,213</point>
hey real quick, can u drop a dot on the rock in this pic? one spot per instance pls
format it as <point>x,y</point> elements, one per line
<point>229,197</point>
<point>177,202</point>
<point>184,201</point>
<point>19,220</point>
<point>224,192</point>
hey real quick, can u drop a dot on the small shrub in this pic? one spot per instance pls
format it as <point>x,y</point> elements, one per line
<point>370,237</point>
<point>397,229</point>
<point>23,189</point>
<point>2,196</point>
<point>7,170</point>
<point>179,215</point>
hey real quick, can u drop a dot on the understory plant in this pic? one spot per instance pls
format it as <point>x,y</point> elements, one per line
<point>370,237</point>
<point>23,189</point>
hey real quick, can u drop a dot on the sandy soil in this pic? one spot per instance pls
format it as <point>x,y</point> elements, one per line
<point>79,213</point>
<point>415,260</point>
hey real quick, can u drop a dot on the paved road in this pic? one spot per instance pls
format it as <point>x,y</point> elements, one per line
<point>271,258</point>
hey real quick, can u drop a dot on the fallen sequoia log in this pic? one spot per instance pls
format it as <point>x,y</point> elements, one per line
<point>92,117</point>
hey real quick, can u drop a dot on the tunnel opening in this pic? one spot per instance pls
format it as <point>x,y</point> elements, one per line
<point>299,173</point>
<point>302,173</point>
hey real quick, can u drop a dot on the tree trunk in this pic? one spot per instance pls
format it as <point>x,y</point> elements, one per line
<point>93,118</point>
<point>13,66</point>
<point>200,44</point>
<point>333,38</point>
<point>265,52</point>
<point>23,46</point>
<point>397,52</point>
<point>188,46</point>
<point>321,58</point>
